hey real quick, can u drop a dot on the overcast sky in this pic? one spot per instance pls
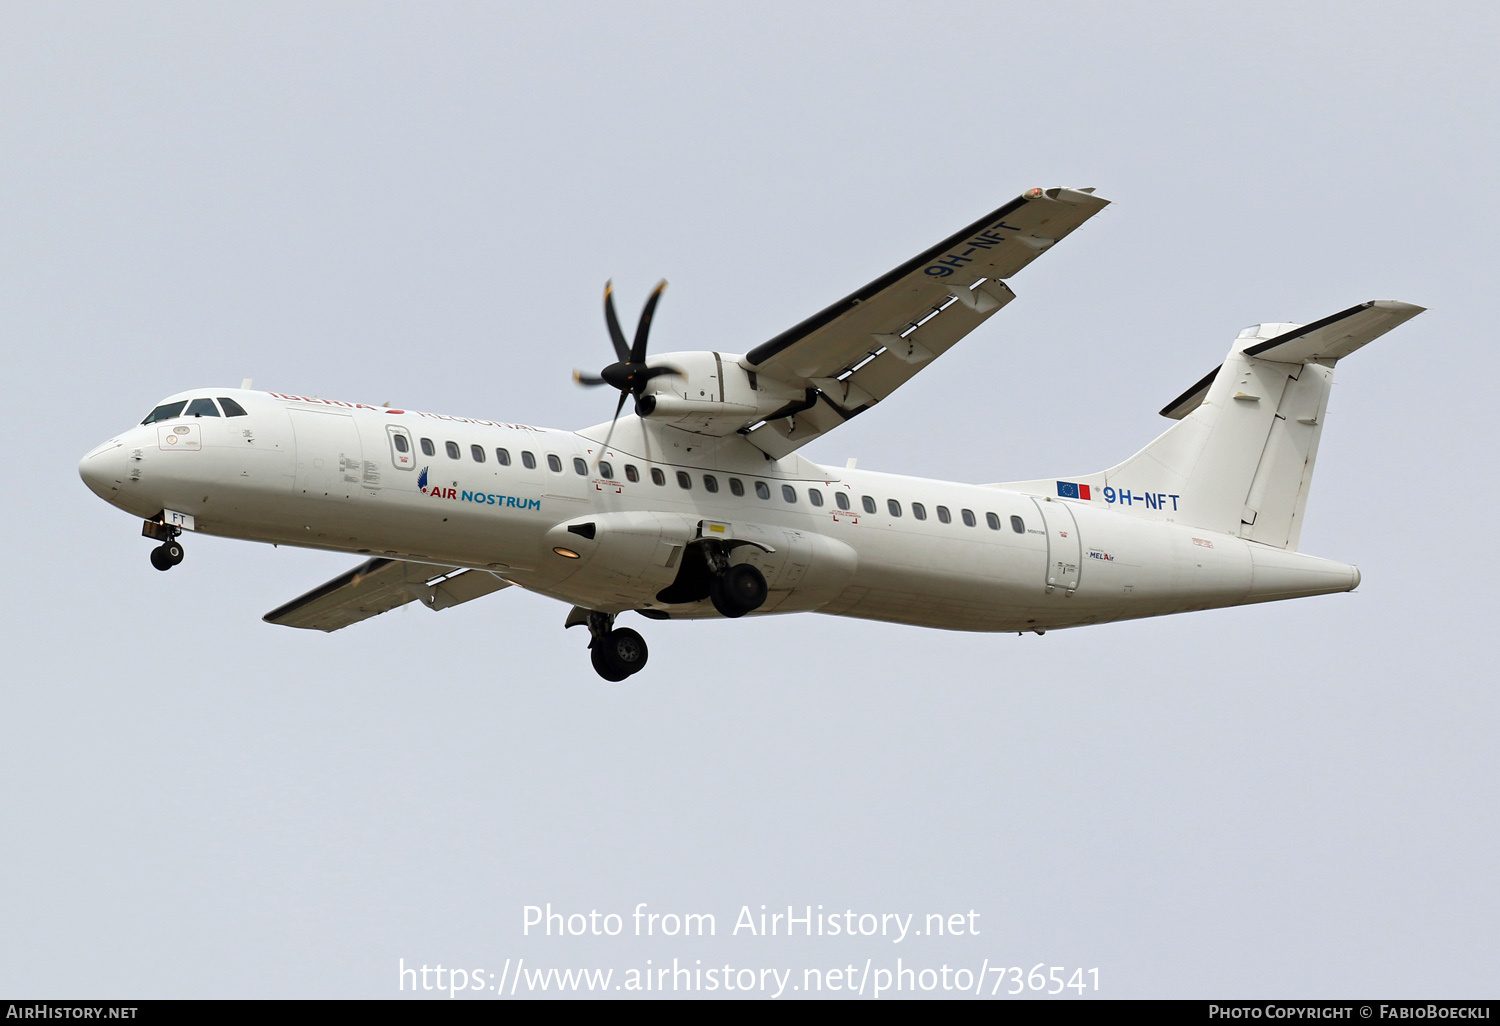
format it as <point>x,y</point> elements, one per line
<point>420,204</point>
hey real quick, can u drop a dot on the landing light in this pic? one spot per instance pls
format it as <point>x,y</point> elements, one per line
<point>569,553</point>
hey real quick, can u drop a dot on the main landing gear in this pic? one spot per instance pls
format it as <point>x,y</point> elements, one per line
<point>738,590</point>
<point>705,573</point>
<point>616,652</point>
<point>169,553</point>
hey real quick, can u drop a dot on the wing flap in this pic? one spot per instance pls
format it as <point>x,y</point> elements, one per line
<point>378,586</point>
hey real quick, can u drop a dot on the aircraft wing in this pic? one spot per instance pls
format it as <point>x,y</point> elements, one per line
<point>856,352</point>
<point>379,585</point>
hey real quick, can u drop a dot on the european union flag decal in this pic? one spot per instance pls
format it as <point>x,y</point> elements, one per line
<point>1069,490</point>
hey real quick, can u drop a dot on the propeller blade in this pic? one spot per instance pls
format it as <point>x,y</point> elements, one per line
<point>611,432</point>
<point>643,329</point>
<point>622,351</point>
<point>588,380</point>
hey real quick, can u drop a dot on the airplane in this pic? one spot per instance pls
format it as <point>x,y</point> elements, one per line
<point>699,505</point>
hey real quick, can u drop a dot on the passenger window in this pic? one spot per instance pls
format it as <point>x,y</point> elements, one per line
<point>657,477</point>
<point>993,521</point>
<point>968,516</point>
<point>502,457</point>
<point>842,498</point>
<point>528,460</point>
<point>1018,525</point>
<point>893,506</point>
<point>944,517</point>
<point>631,474</point>
<point>554,463</point>
<point>736,486</point>
<point>919,511</point>
<point>427,449</point>
<point>869,503</point>
<point>202,408</point>
<point>606,470</point>
<point>477,451</point>
<point>452,448</point>
<point>232,408</point>
<point>402,445</point>
<point>683,481</point>
<point>815,497</point>
<point>710,482</point>
<point>581,466</point>
<point>789,493</point>
<point>762,490</point>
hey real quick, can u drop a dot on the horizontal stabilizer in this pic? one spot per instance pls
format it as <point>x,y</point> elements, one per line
<point>379,585</point>
<point>1324,341</point>
<point>1334,338</point>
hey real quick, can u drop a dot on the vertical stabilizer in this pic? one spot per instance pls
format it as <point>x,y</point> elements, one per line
<point>1240,459</point>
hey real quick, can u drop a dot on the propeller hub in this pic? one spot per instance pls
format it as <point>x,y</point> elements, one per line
<point>626,376</point>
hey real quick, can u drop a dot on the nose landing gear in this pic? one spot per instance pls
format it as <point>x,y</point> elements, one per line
<point>166,556</point>
<point>169,553</point>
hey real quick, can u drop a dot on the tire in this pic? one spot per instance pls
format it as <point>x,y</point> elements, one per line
<point>739,590</point>
<point>173,552</point>
<point>604,667</point>
<point>160,559</point>
<point>619,654</point>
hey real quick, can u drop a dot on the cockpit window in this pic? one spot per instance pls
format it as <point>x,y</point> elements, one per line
<point>166,411</point>
<point>202,408</point>
<point>232,408</point>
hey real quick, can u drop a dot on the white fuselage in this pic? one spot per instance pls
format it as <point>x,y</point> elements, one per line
<point>321,474</point>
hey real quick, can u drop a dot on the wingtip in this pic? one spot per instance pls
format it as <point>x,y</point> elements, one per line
<point>1410,309</point>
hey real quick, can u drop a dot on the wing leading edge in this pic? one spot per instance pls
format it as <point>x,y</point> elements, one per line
<point>856,352</point>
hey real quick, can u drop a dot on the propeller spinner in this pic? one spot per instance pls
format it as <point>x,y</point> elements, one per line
<point>629,373</point>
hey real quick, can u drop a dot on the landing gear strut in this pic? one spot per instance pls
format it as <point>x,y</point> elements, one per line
<point>169,553</point>
<point>616,652</point>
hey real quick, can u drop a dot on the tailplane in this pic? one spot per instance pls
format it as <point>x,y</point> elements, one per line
<point>1240,458</point>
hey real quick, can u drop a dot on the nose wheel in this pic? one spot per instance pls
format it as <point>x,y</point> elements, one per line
<point>169,553</point>
<point>166,555</point>
<point>616,652</point>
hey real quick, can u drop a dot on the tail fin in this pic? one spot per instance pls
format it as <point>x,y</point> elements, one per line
<point>1240,459</point>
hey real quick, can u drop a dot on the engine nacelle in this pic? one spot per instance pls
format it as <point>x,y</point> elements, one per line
<point>712,394</point>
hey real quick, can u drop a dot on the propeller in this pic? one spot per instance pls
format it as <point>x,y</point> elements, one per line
<point>629,373</point>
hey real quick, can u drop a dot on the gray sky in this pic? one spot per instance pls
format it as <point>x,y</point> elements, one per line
<point>420,204</point>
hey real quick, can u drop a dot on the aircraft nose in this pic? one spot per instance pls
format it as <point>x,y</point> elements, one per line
<point>103,469</point>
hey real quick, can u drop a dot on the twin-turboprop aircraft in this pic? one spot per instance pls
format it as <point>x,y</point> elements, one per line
<point>698,504</point>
